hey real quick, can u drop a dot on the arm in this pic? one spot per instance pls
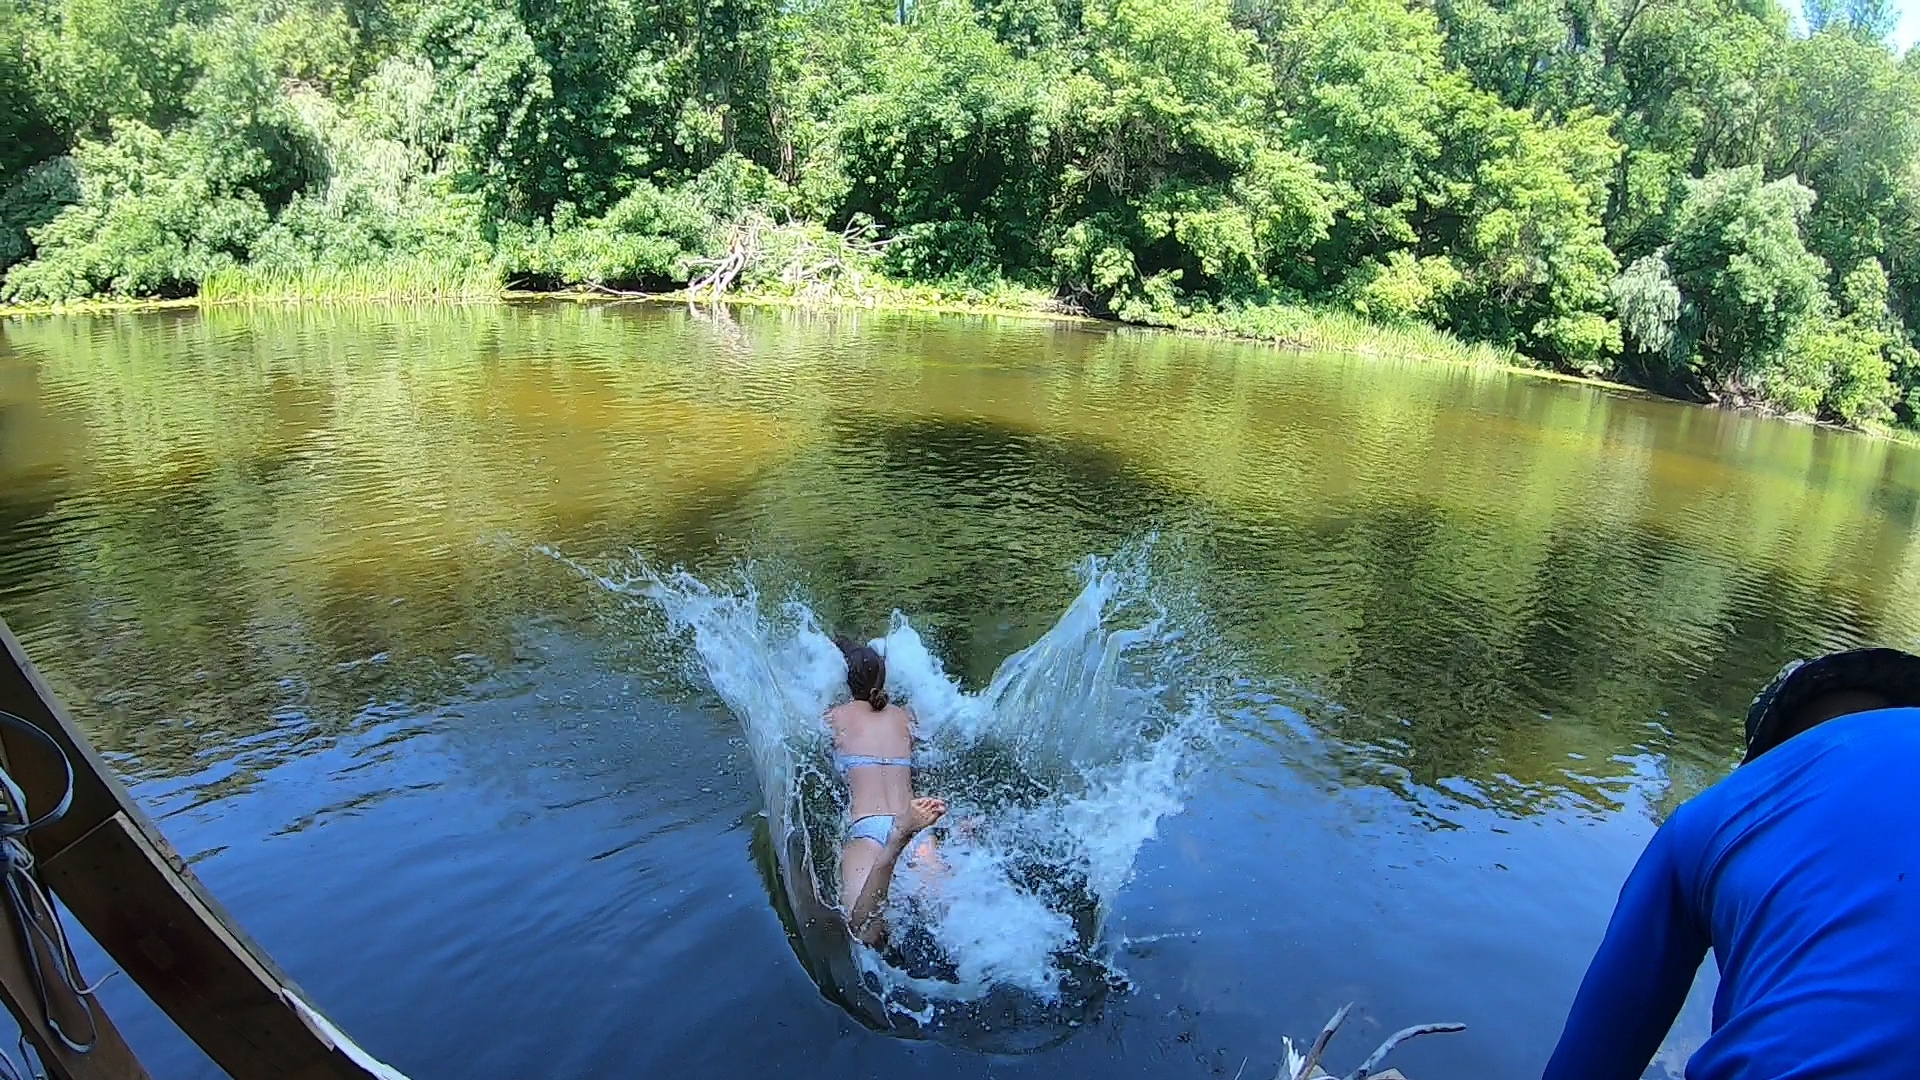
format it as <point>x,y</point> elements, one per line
<point>1640,977</point>
<point>864,914</point>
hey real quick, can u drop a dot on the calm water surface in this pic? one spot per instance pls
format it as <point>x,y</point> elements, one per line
<point>1486,631</point>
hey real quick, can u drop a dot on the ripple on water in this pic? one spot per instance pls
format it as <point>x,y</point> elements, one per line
<point>278,561</point>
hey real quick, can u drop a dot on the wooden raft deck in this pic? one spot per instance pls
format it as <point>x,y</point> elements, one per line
<point>111,867</point>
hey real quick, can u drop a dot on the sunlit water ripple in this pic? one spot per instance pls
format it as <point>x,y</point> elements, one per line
<point>1478,634</point>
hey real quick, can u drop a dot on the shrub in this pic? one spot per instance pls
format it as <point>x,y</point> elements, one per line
<point>1837,369</point>
<point>1648,303</point>
<point>34,198</point>
<point>1404,289</point>
<point>150,221</point>
<point>648,237</point>
<point>1747,278</point>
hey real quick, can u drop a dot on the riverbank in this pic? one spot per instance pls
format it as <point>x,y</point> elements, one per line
<point>1296,328</point>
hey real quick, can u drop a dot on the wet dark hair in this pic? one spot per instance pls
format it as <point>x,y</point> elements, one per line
<point>866,673</point>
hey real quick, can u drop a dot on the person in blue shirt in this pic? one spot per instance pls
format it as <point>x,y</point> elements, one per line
<point>1801,871</point>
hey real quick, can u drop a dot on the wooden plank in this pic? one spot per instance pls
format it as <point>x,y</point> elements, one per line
<point>97,796</point>
<point>182,955</point>
<point>134,894</point>
<point>108,1059</point>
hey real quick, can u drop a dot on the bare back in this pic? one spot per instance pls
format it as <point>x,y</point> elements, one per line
<point>859,728</point>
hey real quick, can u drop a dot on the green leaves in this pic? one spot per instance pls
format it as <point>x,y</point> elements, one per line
<point>952,129</point>
<point>1746,278</point>
<point>496,91</point>
<point>30,128</point>
<point>103,60</point>
<point>1835,369</point>
<point>1853,368</point>
<point>33,198</point>
<point>151,220</point>
<point>645,239</point>
<point>1484,166</point>
<point>1404,289</point>
<point>1177,157</point>
<point>1649,306</point>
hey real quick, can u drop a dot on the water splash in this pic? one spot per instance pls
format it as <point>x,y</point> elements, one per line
<point>1057,773</point>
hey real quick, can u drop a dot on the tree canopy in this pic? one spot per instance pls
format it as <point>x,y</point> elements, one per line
<point>1699,195</point>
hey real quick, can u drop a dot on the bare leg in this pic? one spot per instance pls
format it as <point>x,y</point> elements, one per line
<point>863,914</point>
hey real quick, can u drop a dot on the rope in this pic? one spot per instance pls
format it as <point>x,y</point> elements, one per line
<point>28,901</point>
<point>15,1070</point>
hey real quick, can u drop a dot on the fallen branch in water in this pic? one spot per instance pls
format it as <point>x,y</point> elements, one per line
<point>743,247</point>
<point>803,261</point>
<point>1308,1068</point>
<point>1305,1071</point>
<point>607,290</point>
<point>1379,1054</point>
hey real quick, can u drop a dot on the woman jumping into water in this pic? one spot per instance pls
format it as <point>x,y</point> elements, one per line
<point>873,747</point>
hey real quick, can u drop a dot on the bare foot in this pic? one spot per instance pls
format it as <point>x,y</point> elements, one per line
<point>920,814</point>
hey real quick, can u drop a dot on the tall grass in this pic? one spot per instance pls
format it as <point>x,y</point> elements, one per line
<point>819,270</point>
<point>1337,330</point>
<point>959,297</point>
<point>403,279</point>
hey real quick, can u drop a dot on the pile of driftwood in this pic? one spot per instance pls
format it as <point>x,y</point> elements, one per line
<point>718,275</point>
<point>804,262</point>
<point>1298,1067</point>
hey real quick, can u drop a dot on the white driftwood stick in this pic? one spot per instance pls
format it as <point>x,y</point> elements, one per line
<point>1320,1043</point>
<point>1379,1054</point>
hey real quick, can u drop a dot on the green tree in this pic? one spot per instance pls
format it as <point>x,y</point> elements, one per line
<point>152,220</point>
<point>29,132</point>
<point>1512,48</point>
<point>32,198</point>
<point>1648,303</point>
<point>106,60</point>
<point>1845,120</point>
<point>1176,177</point>
<point>1486,166</point>
<point>1848,367</point>
<point>1368,91</point>
<point>1535,240</point>
<point>1746,279</point>
<point>1684,80</point>
<point>950,142</point>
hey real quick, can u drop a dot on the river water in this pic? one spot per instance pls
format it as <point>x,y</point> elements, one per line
<point>348,598</point>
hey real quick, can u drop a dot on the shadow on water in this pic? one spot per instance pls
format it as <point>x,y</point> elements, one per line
<point>237,540</point>
<point>1449,646</point>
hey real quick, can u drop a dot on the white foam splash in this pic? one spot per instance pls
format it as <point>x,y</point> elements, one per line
<point>1057,772</point>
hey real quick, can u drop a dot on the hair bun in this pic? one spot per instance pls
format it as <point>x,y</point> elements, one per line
<point>866,675</point>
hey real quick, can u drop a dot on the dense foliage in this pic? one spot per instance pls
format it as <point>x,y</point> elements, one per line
<point>1691,194</point>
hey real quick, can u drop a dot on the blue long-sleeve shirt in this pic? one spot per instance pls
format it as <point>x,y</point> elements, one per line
<point>1801,871</point>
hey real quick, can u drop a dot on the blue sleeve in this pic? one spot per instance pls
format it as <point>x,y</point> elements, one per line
<point>1639,979</point>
